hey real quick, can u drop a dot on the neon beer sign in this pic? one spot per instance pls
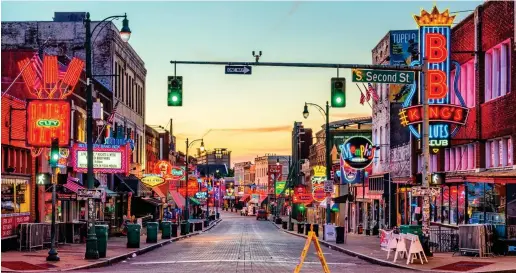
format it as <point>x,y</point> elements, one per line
<point>435,48</point>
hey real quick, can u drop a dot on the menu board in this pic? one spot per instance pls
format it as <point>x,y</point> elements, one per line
<point>10,223</point>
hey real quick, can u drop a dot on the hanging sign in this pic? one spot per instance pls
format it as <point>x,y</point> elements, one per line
<point>152,181</point>
<point>178,173</point>
<point>358,152</point>
<point>106,158</point>
<point>318,194</point>
<point>47,119</point>
<point>164,168</point>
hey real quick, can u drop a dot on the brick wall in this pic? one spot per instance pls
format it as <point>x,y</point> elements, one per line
<point>494,118</point>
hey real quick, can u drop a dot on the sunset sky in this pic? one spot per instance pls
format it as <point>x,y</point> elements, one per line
<point>250,115</point>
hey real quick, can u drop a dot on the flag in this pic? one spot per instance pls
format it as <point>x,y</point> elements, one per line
<point>373,92</point>
<point>362,98</point>
<point>368,95</point>
<point>111,117</point>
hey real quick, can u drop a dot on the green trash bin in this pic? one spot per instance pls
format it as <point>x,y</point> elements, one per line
<point>174,230</point>
<point>102,235</point>
<point>166,230</point>
<point>152,232</point>
<point>133,235</point>
<point>184,228</point>
<point>412,229</point>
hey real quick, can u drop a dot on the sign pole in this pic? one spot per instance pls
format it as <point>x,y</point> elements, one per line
<point>52,254</point>
<point>426,153</point>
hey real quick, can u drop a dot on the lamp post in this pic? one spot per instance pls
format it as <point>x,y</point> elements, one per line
<point>188,144</point>
<point>327,141</point>
<point>288,179</point>
<point>125,34</point>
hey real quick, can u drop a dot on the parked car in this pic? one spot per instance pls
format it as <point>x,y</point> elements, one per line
<point>261,214</point>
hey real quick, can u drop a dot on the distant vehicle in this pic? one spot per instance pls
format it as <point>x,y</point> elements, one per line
<point>261,214</point>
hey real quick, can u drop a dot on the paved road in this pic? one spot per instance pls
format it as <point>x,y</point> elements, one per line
<point>240,245</point>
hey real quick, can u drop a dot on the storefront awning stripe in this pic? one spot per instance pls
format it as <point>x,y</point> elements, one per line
<point>244,197</point>
<point>158,191</point>
<point>195,201</point>
<point>262,198</point>
<point>74,187</point>
<point>178,199</point>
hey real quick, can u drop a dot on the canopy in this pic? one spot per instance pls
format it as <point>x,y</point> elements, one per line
<point>244,197</point>
<point>195,202</point>
<point>178,199</point>
<point>108,191</point>
<point>152,201</point>
<point>262,198</point>
<point>72,186</point>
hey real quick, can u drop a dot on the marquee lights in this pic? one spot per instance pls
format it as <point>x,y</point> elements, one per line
<point>106,158</point>
<point>435,33</point>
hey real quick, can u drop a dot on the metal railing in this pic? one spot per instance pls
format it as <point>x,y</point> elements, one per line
<point>35,235</point>
<point>444,239</point>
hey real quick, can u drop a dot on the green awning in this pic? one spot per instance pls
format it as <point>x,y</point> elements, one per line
<point>109,192</point>
<point>194,201</point>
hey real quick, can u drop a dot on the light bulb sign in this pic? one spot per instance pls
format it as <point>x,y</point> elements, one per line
<point>435,47</point>
<point>106,158</point>
<point>47,119</point>
<point>358,152</point>
<point>152,180</point>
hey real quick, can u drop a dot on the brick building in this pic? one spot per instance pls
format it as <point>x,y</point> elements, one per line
<point>479,165</point>
<point>152,148</point>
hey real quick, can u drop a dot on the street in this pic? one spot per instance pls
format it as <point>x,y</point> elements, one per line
<point>240,244</point>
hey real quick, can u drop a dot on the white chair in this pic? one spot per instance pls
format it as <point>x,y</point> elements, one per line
<point>401,247</point>
<point>416,249</point>
<point>392,243</point>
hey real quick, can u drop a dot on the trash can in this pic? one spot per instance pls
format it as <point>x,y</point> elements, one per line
<point>152,232</point>
<point>102,235</point>
<point>413,229</point>
<point>206,223</point>
<point>291,226</point>
<point>284,224</point>
<point>198,226</point>
<point>218,215</point>
<point>316,229</point>
<point>133,235</point>
<point>191,229</point>
<point>300,228</point>
<point>280,221</point>
<point>174,230</point>
<point>184,228</point>
<point>307,228</point>
<point>166,232</point>
<point>339,235</point>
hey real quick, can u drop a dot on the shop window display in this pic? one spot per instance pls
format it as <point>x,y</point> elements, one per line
<point>15,198</point>
<point>461,196</point>
<point>453,205</point>
<point>445,205</point>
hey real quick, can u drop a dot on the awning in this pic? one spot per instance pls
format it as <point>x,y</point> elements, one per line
<point>262,198</point>
<point>152,201</point>
<point>178,199</point>
<point>133,184</point>
<point>74,187</point>
<point>158,191</point>
<point>108,191</point>
<point>488,176</point>
<point>325,201</point>
<point>343,199</point>
<point>378,175</point>
<point>195,202</point>
<point>244,197</point>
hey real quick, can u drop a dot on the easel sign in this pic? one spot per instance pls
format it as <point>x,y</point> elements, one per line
<point>312,238</point>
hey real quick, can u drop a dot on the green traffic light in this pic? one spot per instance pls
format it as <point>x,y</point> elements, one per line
<point>174,99</point>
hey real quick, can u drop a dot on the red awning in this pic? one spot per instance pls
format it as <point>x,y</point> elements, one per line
<point>72,186</point>
<point>158,191</point>
<point>262,197</point>
<point>244,197</point>
<point>178,199</point>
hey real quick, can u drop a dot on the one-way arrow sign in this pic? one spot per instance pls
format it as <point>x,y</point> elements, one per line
<point>241,70</point>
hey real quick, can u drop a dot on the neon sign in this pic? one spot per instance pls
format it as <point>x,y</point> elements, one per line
<point>152,181</point>
<point>358,152</point>
<point>47,119</point>
<point>164,168</point>
<point>319,171</point>
<point>445,119</point>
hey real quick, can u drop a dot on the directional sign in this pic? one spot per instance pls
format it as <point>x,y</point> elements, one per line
<point>328,186</point>
<point>240,70</point>
<point>382,76</point>
<point>83,194</point>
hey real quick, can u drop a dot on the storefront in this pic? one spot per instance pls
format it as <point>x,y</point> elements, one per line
<point>366,211</point>
<point>16,203</point>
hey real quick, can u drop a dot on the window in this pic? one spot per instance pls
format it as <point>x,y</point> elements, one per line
<point>15,196</point>
<point>466,84</point>
<point>381,139</point>
<point>497,71</point>
<point>81,128</point>
<point>499,152</point>
<point>459,158</point>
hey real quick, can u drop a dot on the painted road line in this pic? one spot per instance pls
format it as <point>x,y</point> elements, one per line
<point>294,261</point>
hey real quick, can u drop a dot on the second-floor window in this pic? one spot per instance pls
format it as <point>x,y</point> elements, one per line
<point>466,84</point>
<point>497,71</point>
<point>499,152</point>
<point>460,158</point>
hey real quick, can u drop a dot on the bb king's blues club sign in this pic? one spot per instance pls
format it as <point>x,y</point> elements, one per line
<point>445,118</point>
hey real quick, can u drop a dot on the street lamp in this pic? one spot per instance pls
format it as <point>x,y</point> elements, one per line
<point>327,140</point>
<point>125,33</point>
<point>188,144</point>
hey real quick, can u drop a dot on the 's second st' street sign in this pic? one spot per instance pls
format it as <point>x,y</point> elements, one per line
<point>240,70</point>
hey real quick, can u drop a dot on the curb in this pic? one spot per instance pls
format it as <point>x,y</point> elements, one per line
<point>117,259</point>
<point>376,260</point>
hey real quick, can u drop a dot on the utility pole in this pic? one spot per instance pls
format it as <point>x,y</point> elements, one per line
<point>426,153</point>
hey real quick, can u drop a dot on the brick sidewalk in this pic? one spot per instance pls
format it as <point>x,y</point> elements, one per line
<point>368,248</point>
<point>72,255</point>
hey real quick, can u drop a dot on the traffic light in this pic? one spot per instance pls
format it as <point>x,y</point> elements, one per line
<point>54,153</point>
<point>43,179</point>
<point>338,92</point>
<point>175,91</point>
